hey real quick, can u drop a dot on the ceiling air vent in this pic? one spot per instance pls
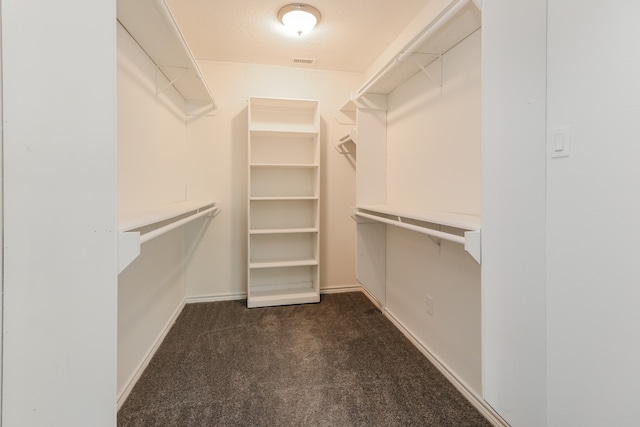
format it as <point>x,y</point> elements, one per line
<point>303,61</point>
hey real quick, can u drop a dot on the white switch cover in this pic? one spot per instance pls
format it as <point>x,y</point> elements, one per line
<point>561,142</point>
<point>429,305</point>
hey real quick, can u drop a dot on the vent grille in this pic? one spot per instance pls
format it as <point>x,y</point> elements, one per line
<point>303,61</point>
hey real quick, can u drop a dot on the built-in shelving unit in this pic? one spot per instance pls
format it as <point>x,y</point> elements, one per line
<point>284,202</point>
<point>152,25</point>
<point>455,21</point>
<point>378,178</point>
<point>138,227</point>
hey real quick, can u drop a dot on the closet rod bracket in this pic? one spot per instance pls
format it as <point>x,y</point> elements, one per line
<point>427,73</point>
<point>435,240</point>
<point>473,244</point>
<point>159,71</point>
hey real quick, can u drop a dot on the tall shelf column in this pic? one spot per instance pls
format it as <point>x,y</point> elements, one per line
<point>284,202</point>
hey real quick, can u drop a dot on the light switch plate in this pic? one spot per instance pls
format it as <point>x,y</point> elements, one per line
<point>561,142</point>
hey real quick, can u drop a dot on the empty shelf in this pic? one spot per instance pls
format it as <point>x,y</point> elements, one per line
<point>132,220</point>
<point>349,138</point>
<point>294,293</point>
<point>138,227</point>
<point>470,224</point>
<point>151,24</point>
<point>464,222</point>
<point>457,20</point>
<point>283,230</point>
<point>274,263</point>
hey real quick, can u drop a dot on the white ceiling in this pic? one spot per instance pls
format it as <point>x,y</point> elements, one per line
<point>350,35</point>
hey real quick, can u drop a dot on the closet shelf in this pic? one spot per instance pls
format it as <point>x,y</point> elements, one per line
<point>153,27</point>
<point>274,131</point>
<point>464,222</point>
<point>348,107</point>
<point>284,165</point>
<point>294,293</point>
<point>417,221</point>
<point>134,220</point>
<point>297,262</point>
<point>277,129</point>
<point>138,227</point>
<point>349,138</point>
<point>457,20</point>
<point>276,198</point>
<point>282,230</point>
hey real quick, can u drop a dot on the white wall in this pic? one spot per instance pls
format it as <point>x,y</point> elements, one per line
<point>434,135</point>
<point>151,172</point>
<point>513,209</point>
<point>433,163</point>
<point>60,226</point>
<point>593,208</point>
<point>218,169</point>
<point>151,133</point>
<point>1,217</point>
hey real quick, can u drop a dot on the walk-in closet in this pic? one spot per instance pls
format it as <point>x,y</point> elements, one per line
<point>405,213</point>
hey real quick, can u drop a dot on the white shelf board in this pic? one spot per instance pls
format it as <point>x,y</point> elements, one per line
<point>351,136</point>
<point>464,222</point>
<point>276,198</point>
<point>283,129</point>
<point>129,241</point>
<point>282,230</point>
<point>348,138</point>
<point>133,220</point>
<point>456,21</point>
<point>151,24</point>
<point>291,262</point>
<point>283,133</point>
<point>287,104</point>
<point>285,165</point>
<point>348,107</point>
<point>297,293</point>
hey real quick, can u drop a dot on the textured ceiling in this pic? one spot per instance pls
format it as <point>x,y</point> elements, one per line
<point>350,36</point>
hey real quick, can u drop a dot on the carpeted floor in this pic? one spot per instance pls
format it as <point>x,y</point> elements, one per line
<point>336,363</point>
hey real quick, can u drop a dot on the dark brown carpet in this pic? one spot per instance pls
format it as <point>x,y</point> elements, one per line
<point>336,363</point>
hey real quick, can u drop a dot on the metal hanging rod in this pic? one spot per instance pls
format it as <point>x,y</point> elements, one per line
<point>162,230</point>
<point>424,230</point>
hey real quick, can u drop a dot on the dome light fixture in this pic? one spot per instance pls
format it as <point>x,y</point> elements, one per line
<point>299,18</point>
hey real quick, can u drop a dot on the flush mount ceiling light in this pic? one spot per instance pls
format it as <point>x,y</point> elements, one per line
<point>299,18</point>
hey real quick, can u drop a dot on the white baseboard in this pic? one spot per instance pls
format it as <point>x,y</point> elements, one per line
<point>478,402</point>
<point>133,379</point>
<point>215,298</point>
<point>238,296</point>
<point>341,289</point>
<point>373,299</point>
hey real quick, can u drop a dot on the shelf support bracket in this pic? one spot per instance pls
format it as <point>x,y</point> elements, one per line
<point>340,148</point>
<point>426,73</point>
<point>472,244</point>
<point>128,248</point>
<point>171,81</point>
<point>435,240</point>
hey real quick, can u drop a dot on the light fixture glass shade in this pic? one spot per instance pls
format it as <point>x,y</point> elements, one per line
<point>299,18</point>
